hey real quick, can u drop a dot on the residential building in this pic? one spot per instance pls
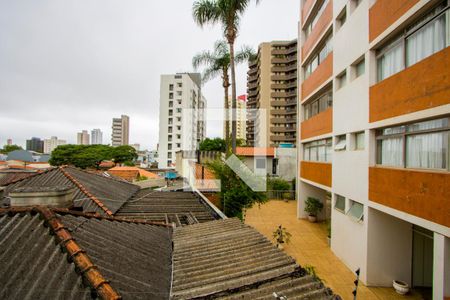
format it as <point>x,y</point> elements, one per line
<point>373,142</point>
<point>182,123</point>
<point>51,143</point>
<point>96,137</point>
<point>241,117</point>
<point>9,142</point>
<point>35,144</point>
<point>120,131</point>
<point>272,95</point>
<point>83,138</point>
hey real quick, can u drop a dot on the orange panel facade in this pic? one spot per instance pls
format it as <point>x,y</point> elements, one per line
<point>421,86</point>
<point>319,124</point>
<point>423,194</point>
<point>384,13</point>
<point>322,24</point>
<point>323,72</point>
<point>306,8</point>
<point>318,172</point>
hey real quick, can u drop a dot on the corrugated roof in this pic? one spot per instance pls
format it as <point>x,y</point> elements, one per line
<point>11,177</point>
<point>254,151</point>
<point>227,258</point>
<point>181,208</point>
<point>112,258</point>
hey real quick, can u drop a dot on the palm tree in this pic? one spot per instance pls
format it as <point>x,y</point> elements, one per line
<point>228,13</point>
<point>218,63</point>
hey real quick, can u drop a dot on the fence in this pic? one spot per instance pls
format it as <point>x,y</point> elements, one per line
<point>281,195</point>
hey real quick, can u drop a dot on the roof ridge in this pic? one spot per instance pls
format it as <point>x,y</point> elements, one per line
<point>86,267</point>
<point>85,191</point>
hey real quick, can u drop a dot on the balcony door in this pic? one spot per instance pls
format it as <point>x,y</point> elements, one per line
<point>422,257</point>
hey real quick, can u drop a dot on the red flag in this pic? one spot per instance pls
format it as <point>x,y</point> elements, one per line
<point>242,97</point>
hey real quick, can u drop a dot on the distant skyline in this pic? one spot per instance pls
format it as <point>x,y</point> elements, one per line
<point>73,65</point>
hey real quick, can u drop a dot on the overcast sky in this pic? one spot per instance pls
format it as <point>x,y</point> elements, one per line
<point>69,65</point>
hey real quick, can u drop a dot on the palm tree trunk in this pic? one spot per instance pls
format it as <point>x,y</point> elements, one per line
<point>226,85</point>
<point>233,99</point>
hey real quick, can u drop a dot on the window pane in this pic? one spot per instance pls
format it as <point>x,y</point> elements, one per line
<point>359,141</point>
<point>392,152</point>
<point>360,68</point>
<point>440,123</point>
<point>340,203</point>
<point>356,211</point>
<point>260,163</point>
<point>427,150</point>
<point>329,151</point>
<point>322,153</point>
<point>313,154</point>
<point>315,108</point>
<point>426,41</point>
<point>390,62</point>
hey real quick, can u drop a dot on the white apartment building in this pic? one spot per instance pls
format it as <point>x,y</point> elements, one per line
<point>241,117</point>
<point>83,138</point>
<point>51,143</point>
<point>182,122</point>
<point>96,137</point>
<point>374,135</point>
<point>120,131</point>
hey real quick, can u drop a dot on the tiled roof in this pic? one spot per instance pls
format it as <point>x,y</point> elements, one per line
<point>253,151</point>
<point>131,173</point>
<point>94,193</point>
<point>181,208</point>
<point>11,177</point>
<point>229,259</point>
<point>80,256</point>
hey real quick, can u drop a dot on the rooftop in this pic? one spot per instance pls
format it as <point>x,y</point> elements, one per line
<point>255,151</point>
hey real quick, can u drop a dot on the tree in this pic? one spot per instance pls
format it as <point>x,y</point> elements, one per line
<point>217,62</point>
<point>81,156</point>
<point>278,184</point>
<point>235,195</point>
<point>9,148</point>
<point>228,13</point>
<point>125,153</point>
<point>216,144</point>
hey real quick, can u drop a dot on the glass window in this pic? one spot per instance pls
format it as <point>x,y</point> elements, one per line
<point>360,68</point>
<point>170,87</point>
<point>429,151</point>
<point>260,163</point>
<point>341,80</point>
<point>356,211</point>
<point>341,143</point>
<point>318,151</point>
<point>170,95</point>
<point>391,152</point>
<point>359,141</point>
<point>339,203</point>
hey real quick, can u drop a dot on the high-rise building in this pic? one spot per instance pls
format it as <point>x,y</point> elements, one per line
<point>35,144</point>
<point>272,92</point>
<point>96,137</point>
<point>182,122</point>
<point>241,117</point>
<point>374,135</point>
<point>83,138</point>
<point>9,142</point>
<point>120,131</point>
<point>51,143</point>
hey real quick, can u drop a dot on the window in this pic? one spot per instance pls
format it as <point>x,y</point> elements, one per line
<point>359,68</point>
<point>178,145</point>
<point>356,211</point>
<point>318,105</point>
<point>342,17</point>
<point>170,112</point>
<point>423,145</point>
<point>341,80</point>
<point>169,138</point>
<point>169,154</point>
<point>170,103</point>
<point>169,129</point>
<point>260,163</point>
<point>354,4</point>
<point>169,146</point>
<point>359,141</point>
<point>180,84</point>
<point>179,93</point>
<point>170,87</point>
<point>425,37</point>
<point>317,58</point>
<point>339,203</point>
<point>178,110</point>
<point>318,151</point>
<point>315,18</point>
<point>178,136</point>
<point>341,143</point>
<point>170,95</point>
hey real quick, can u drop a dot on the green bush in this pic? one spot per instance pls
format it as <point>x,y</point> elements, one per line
<point>277,184</point>
<point>313,206</point>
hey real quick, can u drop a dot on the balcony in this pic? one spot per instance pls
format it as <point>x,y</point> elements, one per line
<point>283,111</point>
<point>396,96</point>
<point>283,77</point>
<point>283,103</point>
<point>287,120</point>
<point>283,94</point>
<point>279,129</point>
<point>283,86</point>
<point>323,72</point>
<point>384,13</point>
<point>322,25</point>
<point>318,172</point>
<point>424,194</point>
<point>318,125</point>
<point>281,138</point>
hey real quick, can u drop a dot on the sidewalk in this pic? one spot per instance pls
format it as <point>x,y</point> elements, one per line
<point>309,247</point>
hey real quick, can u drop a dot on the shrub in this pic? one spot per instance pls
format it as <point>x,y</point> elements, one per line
<point>313,206</point>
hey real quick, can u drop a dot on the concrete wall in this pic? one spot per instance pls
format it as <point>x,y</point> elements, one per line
<point>287,162</point>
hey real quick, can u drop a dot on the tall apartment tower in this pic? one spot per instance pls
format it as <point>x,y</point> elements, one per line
<point>35,144</point>
<point>96,137</point>
<point>182,123</point>
<point>51,143</point>
<point>272,88</point>
<point>241,117</point>
<point>120,131</point>
<point>83,138</point>
<point>374,135</point>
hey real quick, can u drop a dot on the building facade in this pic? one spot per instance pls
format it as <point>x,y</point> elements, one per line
<point>120,131</point>
<point>182,123</point>
<point>272,95</point>
<point>373,141</point>
<point>96,137</point>
<point>51,143</point>
<point>83,138</point>
<point>241,117</point>
<point>35,144</point>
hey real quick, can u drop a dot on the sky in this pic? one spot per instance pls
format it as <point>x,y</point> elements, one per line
<point>73,65</point>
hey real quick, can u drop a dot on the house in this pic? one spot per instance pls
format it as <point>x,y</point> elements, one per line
<point>259,160</point>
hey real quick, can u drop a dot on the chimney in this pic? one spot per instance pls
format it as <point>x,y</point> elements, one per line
<point>42,196</point>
